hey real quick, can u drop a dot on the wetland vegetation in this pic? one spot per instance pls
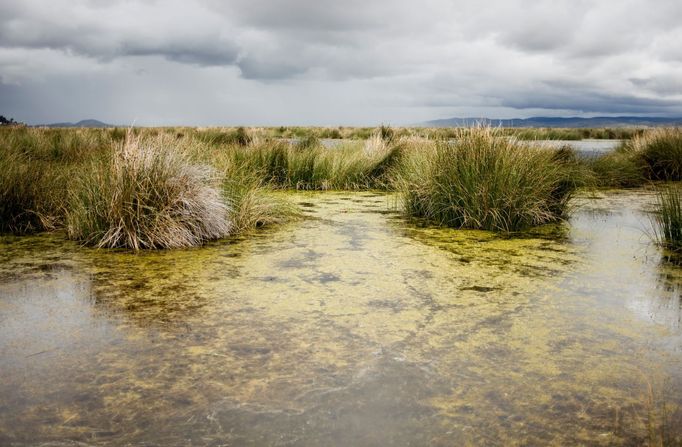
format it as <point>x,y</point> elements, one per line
<point>179,187</point>
<point>175,187</point>
<point>346,306</point>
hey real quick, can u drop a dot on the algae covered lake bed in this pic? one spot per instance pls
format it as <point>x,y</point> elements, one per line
<point>353,326</point>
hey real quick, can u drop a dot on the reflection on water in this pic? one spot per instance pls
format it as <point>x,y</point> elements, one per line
<point>352,327</point>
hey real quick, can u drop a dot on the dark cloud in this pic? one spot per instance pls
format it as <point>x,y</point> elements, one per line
<point>590,102</point>
<point>106,33</point>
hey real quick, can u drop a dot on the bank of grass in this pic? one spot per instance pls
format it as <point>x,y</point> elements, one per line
<point>660,152</point>
<point>307,165</point>
<point>650,156</point>
<point>484,180</point>
<point>147,188</point>
<point>36,166</point>
<point>436,133</point>
<point>618,169</point>
<point>26,200</point>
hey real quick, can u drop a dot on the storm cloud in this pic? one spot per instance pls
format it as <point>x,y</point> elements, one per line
<point>212,62</point>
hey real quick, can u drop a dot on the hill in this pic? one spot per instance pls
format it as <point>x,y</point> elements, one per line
<point>81,123</point>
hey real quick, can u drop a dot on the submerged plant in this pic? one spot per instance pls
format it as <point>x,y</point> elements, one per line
<point>146,195</point>
<point>484,180</point>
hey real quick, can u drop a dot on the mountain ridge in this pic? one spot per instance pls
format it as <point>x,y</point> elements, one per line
<point>93,123</point>
<point>567,122</point>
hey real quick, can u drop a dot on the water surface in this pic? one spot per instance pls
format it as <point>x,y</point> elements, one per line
<point>351,327</point>
<point>587,147</point>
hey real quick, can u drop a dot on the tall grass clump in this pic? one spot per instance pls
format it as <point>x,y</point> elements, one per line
<point>484,180</point>
<point>652,155</point>
<point>251,203</point>
<point>661,152</point>
<point>667,217</point>
<point>146,195</point>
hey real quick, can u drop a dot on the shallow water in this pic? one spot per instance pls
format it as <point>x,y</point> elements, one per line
<point>587,148</point>
<point>351,327</point>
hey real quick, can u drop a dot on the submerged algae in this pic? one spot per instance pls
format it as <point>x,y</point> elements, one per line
<point>351,327</point>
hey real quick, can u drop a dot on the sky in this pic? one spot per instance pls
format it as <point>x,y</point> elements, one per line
<point>344,62</point>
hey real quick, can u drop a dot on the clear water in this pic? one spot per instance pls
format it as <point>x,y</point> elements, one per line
<point>590,148</point>
<point>351,327</point>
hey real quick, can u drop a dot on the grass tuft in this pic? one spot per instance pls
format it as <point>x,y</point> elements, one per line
<point>144,196</point>
<point>667,217</point>
<point>484,180</point>
<point>661,153</point>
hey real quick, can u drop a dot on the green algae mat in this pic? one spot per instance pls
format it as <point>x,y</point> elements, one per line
<point>352,326</point>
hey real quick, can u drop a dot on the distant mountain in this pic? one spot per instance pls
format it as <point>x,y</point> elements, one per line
<point>81,123</point>
<point>540,121</point>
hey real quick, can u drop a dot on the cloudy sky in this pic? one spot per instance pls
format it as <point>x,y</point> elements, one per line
<point>336,62</point>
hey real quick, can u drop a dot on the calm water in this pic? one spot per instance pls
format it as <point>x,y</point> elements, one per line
<point>590,148</point>
<point>351,327</point>
<point>587,147</point>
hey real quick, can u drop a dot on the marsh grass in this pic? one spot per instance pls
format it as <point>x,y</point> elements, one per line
<point>249,197</point>
<point>471,177</point>
<point>667,217</point>
<point>483,180</point>
<point>660,150</point>
<point>239,136</point>
<point>309,166</point>
<point>35,168</point>
<point>620,169</point>
<point>29,194</point>
<point>146,195</point>
<point>251,206</point>
<point>649,156</point>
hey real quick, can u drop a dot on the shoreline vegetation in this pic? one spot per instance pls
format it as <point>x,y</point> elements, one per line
<point>155,188</point>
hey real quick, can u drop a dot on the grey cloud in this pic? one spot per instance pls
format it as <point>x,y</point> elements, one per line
<point>387,57</point>
<point>591,102</point>
<point>267,70</point>
<point>185,52</point>
<point>663,85</point>
<point>99,35</point>
<point>321,15</point>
